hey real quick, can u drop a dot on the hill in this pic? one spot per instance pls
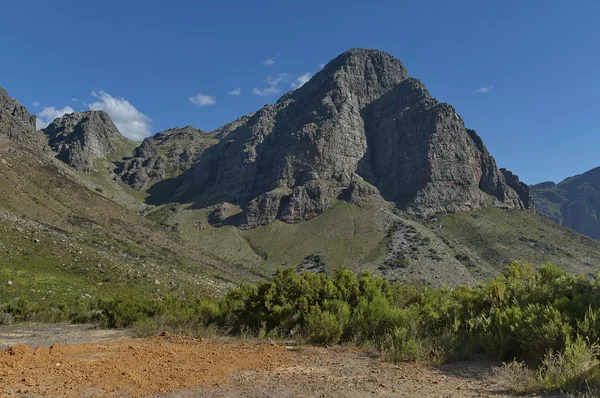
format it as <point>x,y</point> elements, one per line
<point>574,202</point>
<point>360,167</point>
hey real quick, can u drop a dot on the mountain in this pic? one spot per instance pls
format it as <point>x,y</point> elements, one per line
<point>574,202</point>
<point>165,155</point>
<point>16,124</point>
<point>360,127</point>
<point>360,167</point>
<point>80,138</point>
<point>63,232</point>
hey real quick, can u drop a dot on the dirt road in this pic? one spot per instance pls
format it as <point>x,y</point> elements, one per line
<point>173,366</point>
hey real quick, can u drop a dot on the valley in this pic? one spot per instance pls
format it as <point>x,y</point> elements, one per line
<point>351,238</point>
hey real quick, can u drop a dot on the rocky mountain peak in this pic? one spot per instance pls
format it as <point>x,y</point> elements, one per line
<point>360,127</point>
<point>16,123</point>
<point>574,202</point>
<point>360,73</point>
<point>79,138</point>
<point>165,155</point>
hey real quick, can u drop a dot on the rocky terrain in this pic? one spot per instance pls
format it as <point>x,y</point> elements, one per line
<point>80,138</point>
<point>360,127</point>
<point>165,155</point>
<point>574,202</point>
<point>360,167</point>
<point>16,124</point>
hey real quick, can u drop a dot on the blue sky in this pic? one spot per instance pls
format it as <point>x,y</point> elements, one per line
<point>524,74</point>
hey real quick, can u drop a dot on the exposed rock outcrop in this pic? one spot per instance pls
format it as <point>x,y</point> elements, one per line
<point>522,189</point>
<point>574,202</point>
<point>16,123</point>
<point>360,119</point>
<point>166,155</point>
<point>80,138</point>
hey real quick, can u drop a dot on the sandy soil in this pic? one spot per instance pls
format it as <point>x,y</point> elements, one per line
<point>173,366</point>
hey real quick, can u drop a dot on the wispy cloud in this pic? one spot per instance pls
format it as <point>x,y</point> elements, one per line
<point>321,66</point>
<point>131,123</point>
<point>273,81</point>
<point>75,99</point>
<point>265,92</point>
<point>484,90</point>
<point>278,78</point>
<point>269,62</point>
<point>235,91</point>
<point>203,100</point>
<point>36,103</point>
<point>300,80</point>
<point>48,114</point>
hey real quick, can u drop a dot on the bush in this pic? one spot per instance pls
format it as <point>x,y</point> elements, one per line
<point>575,368</point>
<point>546,318</point>
<point>322,327</point>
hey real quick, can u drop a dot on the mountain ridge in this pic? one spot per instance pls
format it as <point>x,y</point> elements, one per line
<point>357,168</point>
<point>291,160</point>
<point>573,202</point>
<point>81,137</point>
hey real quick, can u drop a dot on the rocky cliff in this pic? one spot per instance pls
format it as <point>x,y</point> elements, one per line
<point>574,202</point>
<point>80,138</point>
<point>16,123</point>
<point>165,155</point>
<point>359,127</point>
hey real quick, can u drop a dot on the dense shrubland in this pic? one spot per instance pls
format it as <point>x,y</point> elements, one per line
<point>533,319</point>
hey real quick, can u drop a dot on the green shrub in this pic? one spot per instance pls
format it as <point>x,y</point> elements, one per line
<point>322,327</point>
<point>544,317</point>
<point>576,368</point>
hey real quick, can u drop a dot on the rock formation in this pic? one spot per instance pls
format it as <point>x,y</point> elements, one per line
<point>16,123</point>
<point>80,138</point>
<point>165,155</point>
<point>360,126</point>
<point>574,202</point>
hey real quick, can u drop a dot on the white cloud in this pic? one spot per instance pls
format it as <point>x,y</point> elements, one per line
<point>48,114</point>
<point>269,62</point>
<point>484,90</point>
<point>300,80</point>
<point>75,99</point>
<point>278,78</point>
<point>235,91</point>
<point>131,123</point>
<point>321,66</point>
<point>36,103</point>
<point>264,92</point>
<point>203,100</point>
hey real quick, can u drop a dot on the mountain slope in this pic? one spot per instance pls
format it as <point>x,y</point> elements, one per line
<point>360,167</point>
<point>81,138</point>
<point>16,123</point>
<point>574,202</point>
<point>164,155</point>
<point>360,127</point>
<point>59,236</point>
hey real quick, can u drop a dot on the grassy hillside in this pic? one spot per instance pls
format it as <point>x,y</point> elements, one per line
<point>498,237</point>
<point>453,249</point>
<point>61,230</point>
<point>59,233</point>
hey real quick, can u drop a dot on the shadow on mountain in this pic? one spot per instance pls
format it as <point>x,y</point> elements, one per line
<point>397,129</point>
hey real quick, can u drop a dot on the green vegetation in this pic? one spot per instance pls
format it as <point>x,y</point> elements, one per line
<point>545,320</point>
<point>496,237</point>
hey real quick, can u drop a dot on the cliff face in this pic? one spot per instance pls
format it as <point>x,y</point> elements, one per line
<point>165,155</point>
<point>574,202</point>
<point>360,126</point>
<point>16,123</point>
<point>79,138</point>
